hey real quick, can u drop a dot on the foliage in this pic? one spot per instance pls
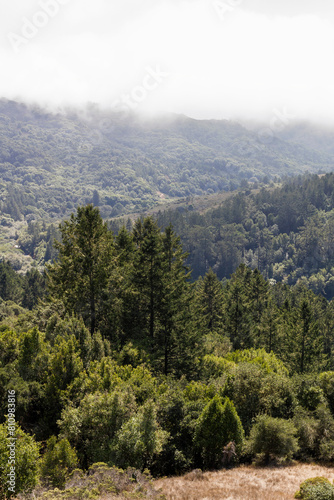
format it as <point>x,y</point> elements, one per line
<point>58,461</point>
<point>272,438</point>
<point>126,361</point>
<point>80,274</point>
<point>284,232</point>
<point>218,425</point>
<point>139,439</point>
<point>120,164</point>
<point>316,488</point>
<point>142,296</point>
<point>267,361</point>
<point>25,467</point>
<point>101,480</point>
<point>93,425</point>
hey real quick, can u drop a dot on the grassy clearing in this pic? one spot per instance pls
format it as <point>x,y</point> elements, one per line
<point>243,483</point>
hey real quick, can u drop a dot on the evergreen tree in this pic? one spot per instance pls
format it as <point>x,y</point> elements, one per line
<point>304,346</point>
<point>125,246</point>
<point>33,288</point>
<point>96,198</point>
<point>176,337</point>
<point>147,277</point>
<point>217,425</point>
<point>209,303</point>
<point>258,295</point>
<point>80,275</point>
<point>65,366</point>
<point>232,426</point>
<point>33,356</point>
<point>237,312</point>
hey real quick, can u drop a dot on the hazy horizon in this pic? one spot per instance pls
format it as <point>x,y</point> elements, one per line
<point>207,59</point>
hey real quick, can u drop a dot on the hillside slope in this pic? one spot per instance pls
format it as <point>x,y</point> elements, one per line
<point>50,163</point>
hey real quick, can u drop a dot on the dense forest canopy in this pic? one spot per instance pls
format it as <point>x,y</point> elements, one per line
<point>117,356</point>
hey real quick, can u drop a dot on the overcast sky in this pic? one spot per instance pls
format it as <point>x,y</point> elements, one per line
<point>204,58</point>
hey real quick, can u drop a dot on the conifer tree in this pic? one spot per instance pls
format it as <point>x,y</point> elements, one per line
<point>120,314</point>
<point>209,303</point>
<point>237,313</point>
<point>10,283</point>
<point>303,345</point>
<point>80,275</point>
<point>33,288</point>
<point>174,309</point>
<point>147,277</point>
<point>232,426</point>
<point>125,246</point>
<point>218,425</point>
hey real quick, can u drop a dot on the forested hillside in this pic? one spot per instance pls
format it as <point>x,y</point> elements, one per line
<point>165,339</point>
<point>121,359</point>
<point>285,232</point>
<point>51,162</point>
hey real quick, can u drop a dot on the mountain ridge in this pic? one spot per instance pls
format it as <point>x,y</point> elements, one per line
<point>52,162</point>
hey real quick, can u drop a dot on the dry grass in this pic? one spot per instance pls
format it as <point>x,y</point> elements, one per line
<point>243,483</point>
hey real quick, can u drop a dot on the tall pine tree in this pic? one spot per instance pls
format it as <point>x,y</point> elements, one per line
<point>80,275</point>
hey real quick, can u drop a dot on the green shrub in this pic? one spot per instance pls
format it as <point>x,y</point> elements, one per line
<point>306,426</point>
<point>139,439</point>
<point>26,462</point>
<point>267,361</point>
<point>272,438</point>
<point>216,366</point>
<point>58,461</point>
<point>326,382</point>
<point>316,488</point>
<point>92,426</point>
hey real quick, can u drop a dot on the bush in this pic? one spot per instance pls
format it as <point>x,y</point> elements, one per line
<point>316,488</point>
<point>102,481</point>
<point>272,438</point>
<point>139,439</point>
<point>92,426</point>
<point>307,434</point>
<point>267,361</point>
<point>26,462</point>
<point>58,461</point>
<point>325,433</point>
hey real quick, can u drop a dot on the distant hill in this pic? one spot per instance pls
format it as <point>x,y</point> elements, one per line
<point>52,162</point>
<point>286,232</point>
<point>316,137</point>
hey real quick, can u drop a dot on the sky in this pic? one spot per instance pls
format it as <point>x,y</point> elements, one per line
<point>208,59</point>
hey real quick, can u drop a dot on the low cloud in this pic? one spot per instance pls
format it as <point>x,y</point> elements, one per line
<point>223,60</point>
